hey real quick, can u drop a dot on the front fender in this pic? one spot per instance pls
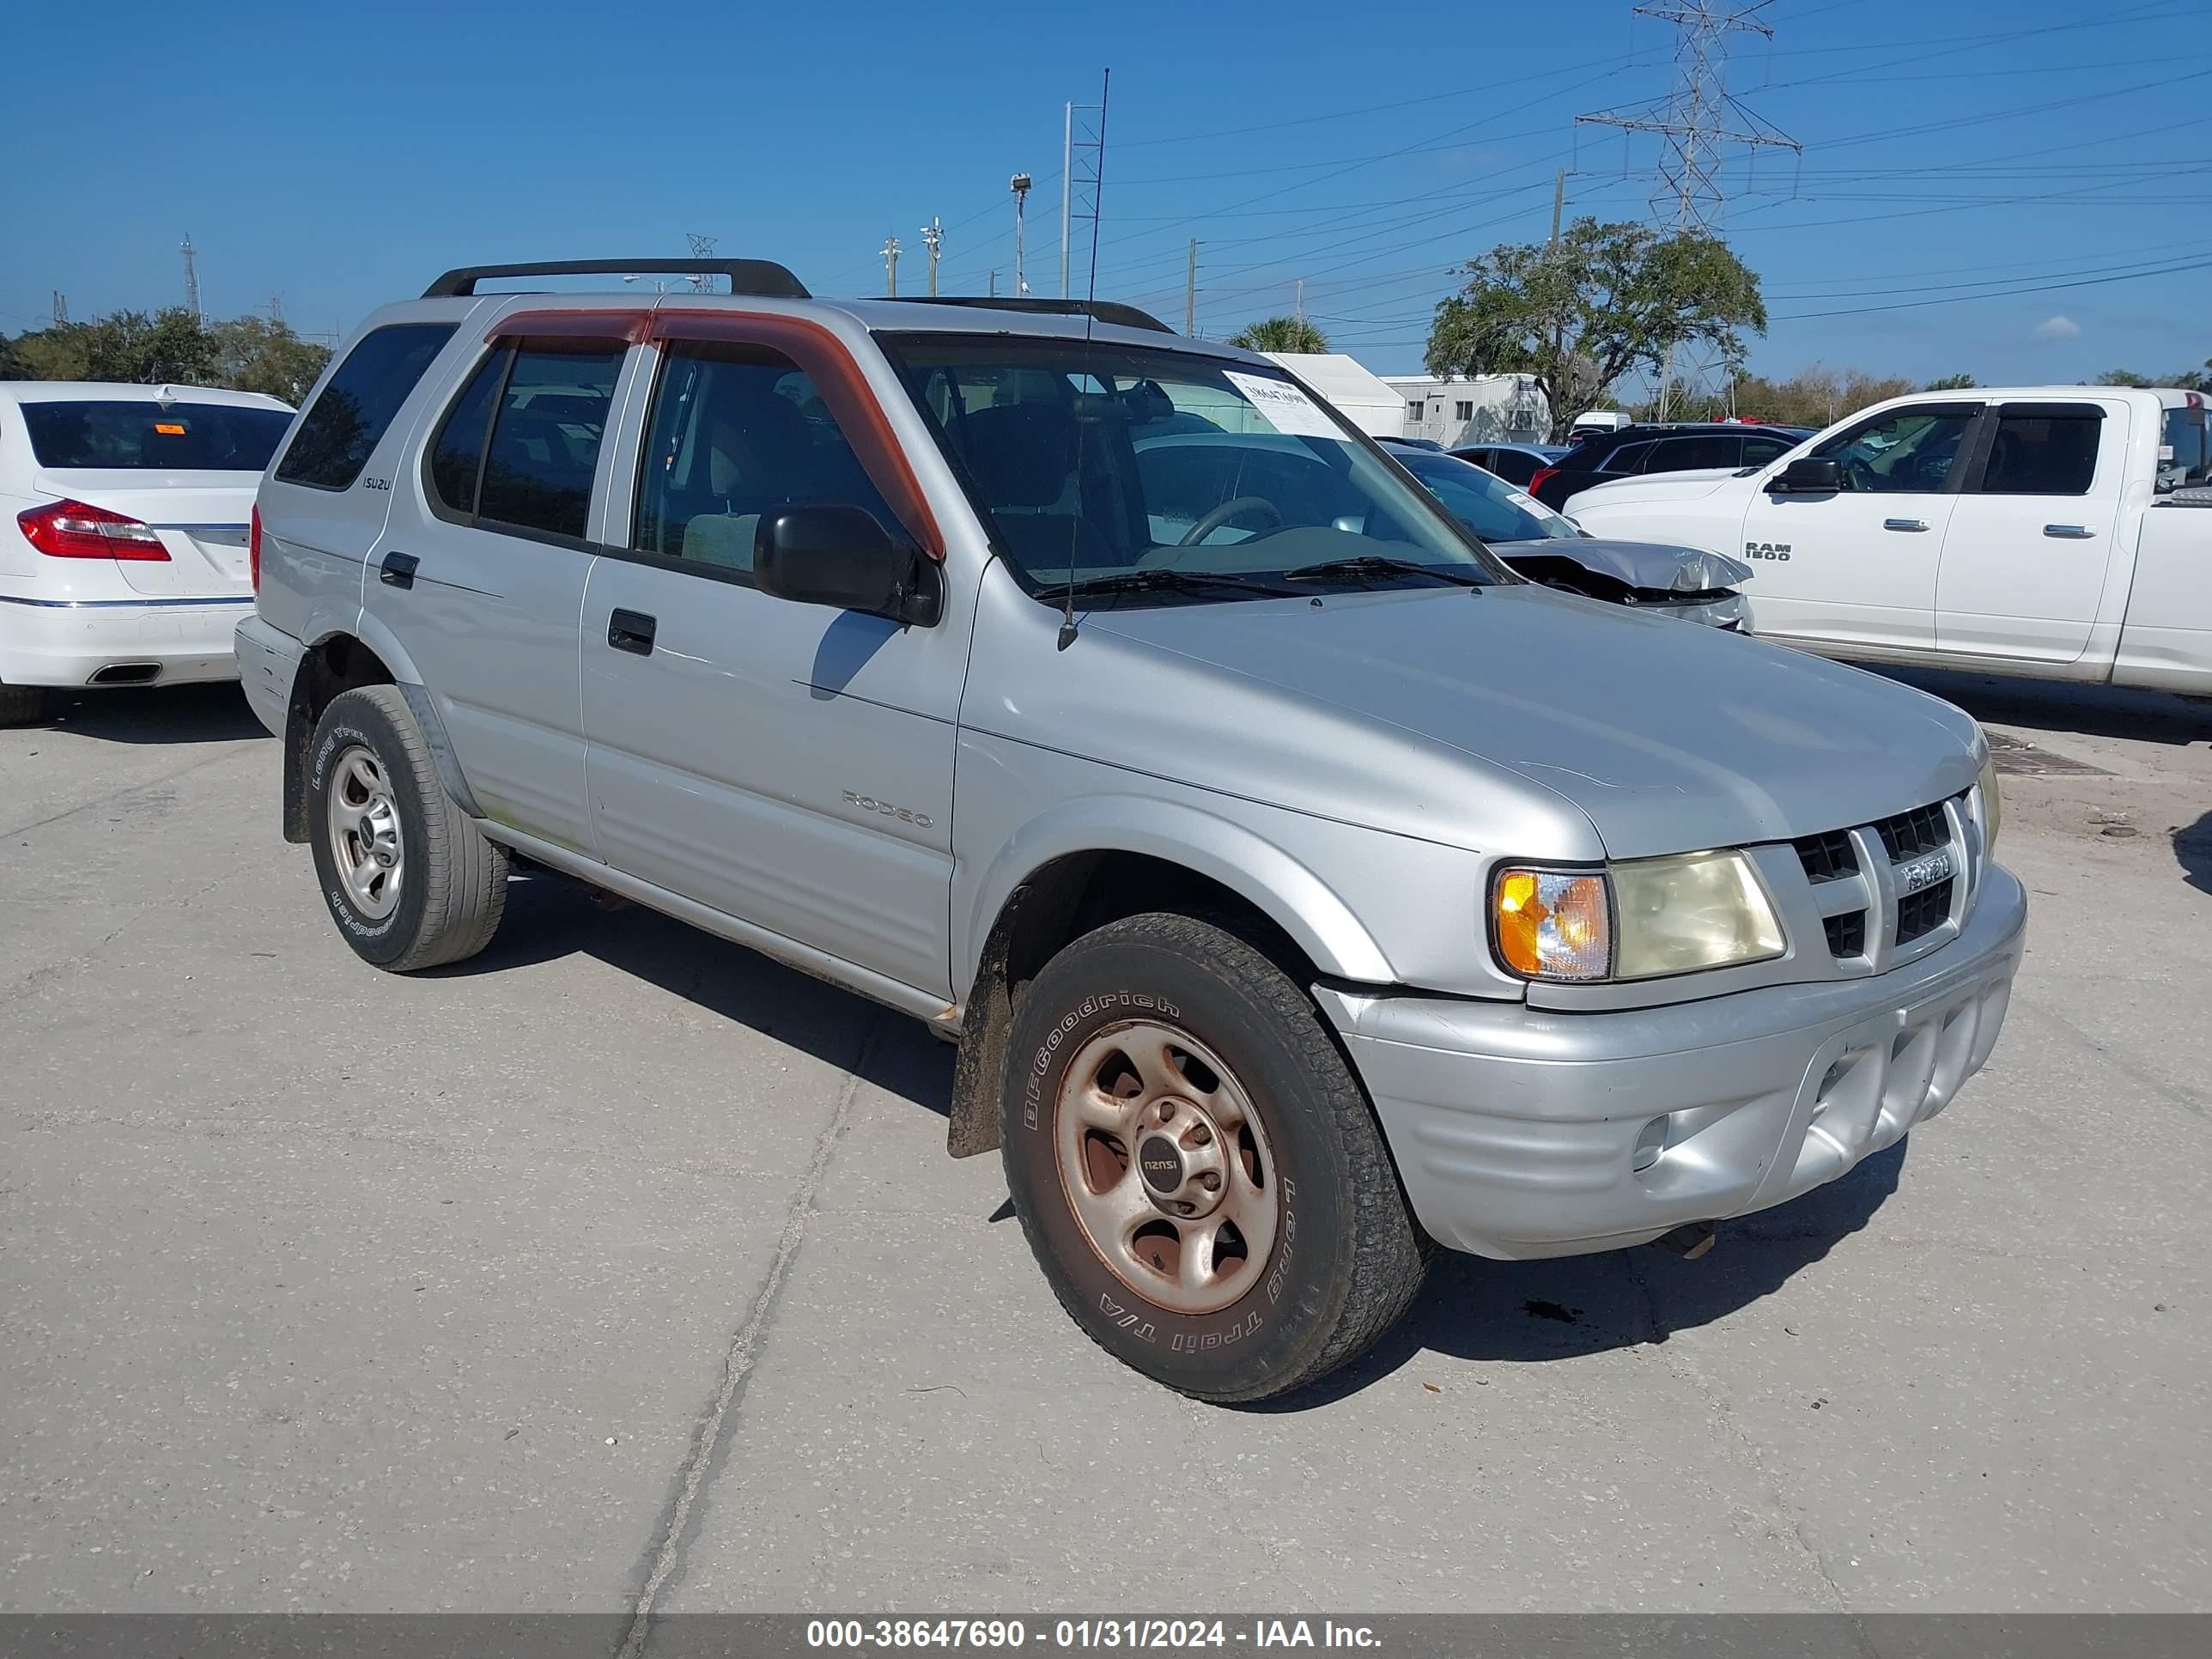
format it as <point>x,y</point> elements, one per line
<point>1284,890</point>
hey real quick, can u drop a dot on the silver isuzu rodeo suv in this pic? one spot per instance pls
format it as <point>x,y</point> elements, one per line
<point>1303,889</point>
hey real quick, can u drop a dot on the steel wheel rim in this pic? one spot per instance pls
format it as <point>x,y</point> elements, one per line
<point>1193,1236</point>
<point>364,831</point>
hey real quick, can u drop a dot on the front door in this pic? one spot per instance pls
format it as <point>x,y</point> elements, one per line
<point>2029,548</point>
<point>1858,565</point>
<point>789,765</point>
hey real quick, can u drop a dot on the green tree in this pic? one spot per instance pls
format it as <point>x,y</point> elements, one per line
<point>1817,396</point>
<point>2126,377</point>
<point>1950,382</point>
<point>1280,334</point>
<point>254,354</point>
<point>1601,302</point>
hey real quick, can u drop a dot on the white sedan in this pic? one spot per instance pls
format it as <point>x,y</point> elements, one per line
<point>125,524</point>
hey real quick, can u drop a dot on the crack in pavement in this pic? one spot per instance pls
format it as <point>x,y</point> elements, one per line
<point>709,1438</point>
<point>1790,1519</point>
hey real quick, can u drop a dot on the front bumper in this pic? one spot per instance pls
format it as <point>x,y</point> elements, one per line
<point>1514,1128</point>
<point>70,642</point>
<point>268,661</point>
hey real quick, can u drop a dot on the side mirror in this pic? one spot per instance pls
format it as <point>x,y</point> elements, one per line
<point>841,555</point>
<point>1810,476</point>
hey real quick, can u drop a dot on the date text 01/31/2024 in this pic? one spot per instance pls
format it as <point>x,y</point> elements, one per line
<point>1162,1633</point>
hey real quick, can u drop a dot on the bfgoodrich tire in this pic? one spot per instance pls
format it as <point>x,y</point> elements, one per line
<point>1196,1167</point>
<point>408,880</point>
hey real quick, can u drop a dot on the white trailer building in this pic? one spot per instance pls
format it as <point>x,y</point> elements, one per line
<point>1481,408</point>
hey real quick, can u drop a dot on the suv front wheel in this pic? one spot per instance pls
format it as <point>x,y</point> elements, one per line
<point>409,881</point>
<point>1196,1167</point>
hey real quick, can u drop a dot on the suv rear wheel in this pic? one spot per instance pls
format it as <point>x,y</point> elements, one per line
<point>1196,1167</point>
<point>409,881</point>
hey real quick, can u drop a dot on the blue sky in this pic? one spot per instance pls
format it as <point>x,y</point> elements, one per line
<point>2038,165</point>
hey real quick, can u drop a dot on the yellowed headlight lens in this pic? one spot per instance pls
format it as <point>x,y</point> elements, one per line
<point>1680,916</point>
<point>1552,924</point>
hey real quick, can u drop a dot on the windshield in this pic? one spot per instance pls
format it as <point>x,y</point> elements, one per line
<point>1093,462</point>
<point>1488,506</point>
<point>147,436</point>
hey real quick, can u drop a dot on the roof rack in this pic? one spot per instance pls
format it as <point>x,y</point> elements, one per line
<point>1106,311</point>
<point>763,278</point>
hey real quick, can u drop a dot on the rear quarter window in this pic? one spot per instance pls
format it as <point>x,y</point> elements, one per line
<point>350,416</point>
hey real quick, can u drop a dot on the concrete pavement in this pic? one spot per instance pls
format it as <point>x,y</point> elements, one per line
<point>621,1262</point>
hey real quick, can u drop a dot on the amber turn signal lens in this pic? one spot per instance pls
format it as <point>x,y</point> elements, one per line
<point>1552,924</point>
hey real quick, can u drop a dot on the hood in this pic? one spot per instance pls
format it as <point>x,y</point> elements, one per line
<point>1669,738</point>
<point>1653,565</point>
<point>1657,486</point>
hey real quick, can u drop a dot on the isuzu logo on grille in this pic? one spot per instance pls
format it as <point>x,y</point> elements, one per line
<point>1925,872</point>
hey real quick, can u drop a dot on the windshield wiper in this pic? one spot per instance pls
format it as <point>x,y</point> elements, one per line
<point>1375,564</point>
<point>1164,579</point>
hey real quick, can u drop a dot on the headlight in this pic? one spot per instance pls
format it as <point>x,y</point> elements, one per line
<point>1989,805</point>
<point>1638,920</point>
<point>1700,910</point>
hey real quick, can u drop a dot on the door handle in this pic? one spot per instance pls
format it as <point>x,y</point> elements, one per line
<point>398,569</point>
<point>1904,524</point>
<point>632,631</point>
<point>2072,532</point>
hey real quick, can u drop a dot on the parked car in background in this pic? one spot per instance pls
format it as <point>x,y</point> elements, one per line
<point>124,515</point>
<point>1679,447</point>
<point>2040,530</point>
<point>1547,547</point>
<point>1592,421</point>
<point>1319,891</point>
<point>1515,462</point>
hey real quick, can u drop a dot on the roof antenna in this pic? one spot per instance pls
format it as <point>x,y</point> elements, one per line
<point>1089,323</point>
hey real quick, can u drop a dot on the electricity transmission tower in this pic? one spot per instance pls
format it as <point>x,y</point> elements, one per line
<point>192,278</point>
<point>61,307</point>
<point>890,267</point>
<point>1700,125</point>
<point>703,247</point>
<point>1082,177</point>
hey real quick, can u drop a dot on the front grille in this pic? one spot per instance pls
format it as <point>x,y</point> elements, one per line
<point>1847,855</point>
<point>1909,834</point>
<point>1923,912</point>
<point>1827,858</point>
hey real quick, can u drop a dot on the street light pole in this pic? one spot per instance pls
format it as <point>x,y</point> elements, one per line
<point>1020,184</point>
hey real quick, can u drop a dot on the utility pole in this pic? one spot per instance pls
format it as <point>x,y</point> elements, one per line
<point>1559,202</point>
<point>1020,185</point>
<point>1067,187</point>
<point>703,247</point>
<point>890,267</point>
<point>277,309</point>
<point>192,278</point>
<point>61,307</point>
<point>994,285</point>
<point>1298,300</point>
<point>1190,294</point>
<point>1698,122</point>
<point>933,238</point>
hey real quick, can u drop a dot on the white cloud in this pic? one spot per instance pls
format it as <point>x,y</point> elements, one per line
<point>2057,328</point>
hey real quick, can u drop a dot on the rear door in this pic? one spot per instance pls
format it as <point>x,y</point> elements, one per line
<point>786,764</point>
<point>1856,566</point>
<point>2033,538</point>
<point>480,573</point>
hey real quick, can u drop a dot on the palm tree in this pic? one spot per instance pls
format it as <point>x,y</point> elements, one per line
<point>1280,334</point>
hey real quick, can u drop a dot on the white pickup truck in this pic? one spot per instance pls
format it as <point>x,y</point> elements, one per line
<point>2055,531</point>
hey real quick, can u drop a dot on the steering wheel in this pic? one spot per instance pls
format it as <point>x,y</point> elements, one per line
<point>1229,509</point>
<point>1861,472</point>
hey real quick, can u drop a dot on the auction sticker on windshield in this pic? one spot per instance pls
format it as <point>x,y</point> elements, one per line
<point>1287,407</point>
